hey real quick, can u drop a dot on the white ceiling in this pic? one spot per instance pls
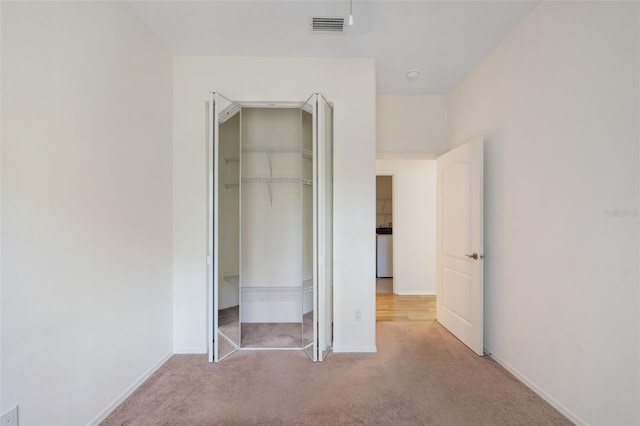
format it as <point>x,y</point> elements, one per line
<point>445,40</point>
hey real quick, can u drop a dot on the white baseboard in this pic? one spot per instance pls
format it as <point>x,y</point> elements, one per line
<point>193,350</point>
<point>351,349</point>
<point>127,392</point>
<point>542,394</point>
<point>416,293</point>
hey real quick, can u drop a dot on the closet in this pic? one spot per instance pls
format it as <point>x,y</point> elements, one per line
<point>270,226</point>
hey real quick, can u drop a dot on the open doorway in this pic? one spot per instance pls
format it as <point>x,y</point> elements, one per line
<point>449,224</point>
<point>384,234</point>
<point>405,221</point>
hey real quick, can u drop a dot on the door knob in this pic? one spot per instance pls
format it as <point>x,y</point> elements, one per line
<point>473,256</point>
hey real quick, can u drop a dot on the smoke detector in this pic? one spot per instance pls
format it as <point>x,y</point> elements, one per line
<point>413,74</point>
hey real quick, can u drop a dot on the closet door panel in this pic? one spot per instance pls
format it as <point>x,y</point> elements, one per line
<point>223,227</point>
<point>228,274</point>
<point>325,214</point>
<point>212,286</point>
<point>306,161</point>
<point>312,349</point>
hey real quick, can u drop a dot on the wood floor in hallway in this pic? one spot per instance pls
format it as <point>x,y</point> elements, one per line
<point>391,307</point>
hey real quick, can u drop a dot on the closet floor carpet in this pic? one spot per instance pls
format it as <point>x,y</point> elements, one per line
<point>272,335</point>
<point>421,375</point>
<point>265,335</point>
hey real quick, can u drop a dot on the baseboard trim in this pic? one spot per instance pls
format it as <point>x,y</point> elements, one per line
<point>416,293</point>
<point>127,392</point>
<point>351,349</point>
<point>542,394</point>
<point>193,350</point>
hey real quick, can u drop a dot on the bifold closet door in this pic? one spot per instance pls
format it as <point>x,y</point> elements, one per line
<point>310,326</point>
<point>314,175</point>
<point>308,278</point>
<point>223,166</point>
<point>322,227</point>
<point>324,208</point>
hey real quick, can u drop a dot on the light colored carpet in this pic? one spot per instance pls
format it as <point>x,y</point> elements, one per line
<point>264,335</point>
<point>229,323</point>
<point>421,375</point>
<point>272,335</point>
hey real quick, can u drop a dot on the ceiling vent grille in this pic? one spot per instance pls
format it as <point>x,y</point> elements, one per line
<point>327,25</point>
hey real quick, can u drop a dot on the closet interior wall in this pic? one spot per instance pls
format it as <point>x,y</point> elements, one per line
<point>266,226</point>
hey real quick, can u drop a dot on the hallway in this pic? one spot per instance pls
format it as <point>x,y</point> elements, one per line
<point>395,308</point>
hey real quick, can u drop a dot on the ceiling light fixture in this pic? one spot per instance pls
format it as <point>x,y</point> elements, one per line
<point>413,74</point>
<point>350,13</point>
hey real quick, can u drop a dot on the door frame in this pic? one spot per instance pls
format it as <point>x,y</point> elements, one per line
<point>391,173</point>
<point>212,180</point>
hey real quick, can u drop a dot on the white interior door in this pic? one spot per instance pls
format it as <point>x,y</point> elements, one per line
<point>459,243</point>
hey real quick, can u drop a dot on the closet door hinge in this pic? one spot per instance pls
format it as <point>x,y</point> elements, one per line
<point>208,260</point>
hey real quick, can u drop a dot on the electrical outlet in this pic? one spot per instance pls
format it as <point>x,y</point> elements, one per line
<point>357,314</point>
<point>10,417</point>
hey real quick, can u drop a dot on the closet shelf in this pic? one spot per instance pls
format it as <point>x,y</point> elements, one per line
<point>278,179</point>
<point>273,288</point>
<point>269,180</point>
<point>279,149</point>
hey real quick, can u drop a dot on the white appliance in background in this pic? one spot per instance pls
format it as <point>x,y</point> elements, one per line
<point>384,254</point>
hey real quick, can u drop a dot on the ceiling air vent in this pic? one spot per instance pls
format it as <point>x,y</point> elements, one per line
<point>327,25</point>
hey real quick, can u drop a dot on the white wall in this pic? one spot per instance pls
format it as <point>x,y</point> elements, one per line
<point>350,83</point>
<point>86,207</point>
<point>414,224</point>
<point>411,125</point>
<point>558,104</point>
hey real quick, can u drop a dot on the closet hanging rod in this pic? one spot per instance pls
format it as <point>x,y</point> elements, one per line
<point>274,288</point>
<point>267,149</point>
<point>277,179</point>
